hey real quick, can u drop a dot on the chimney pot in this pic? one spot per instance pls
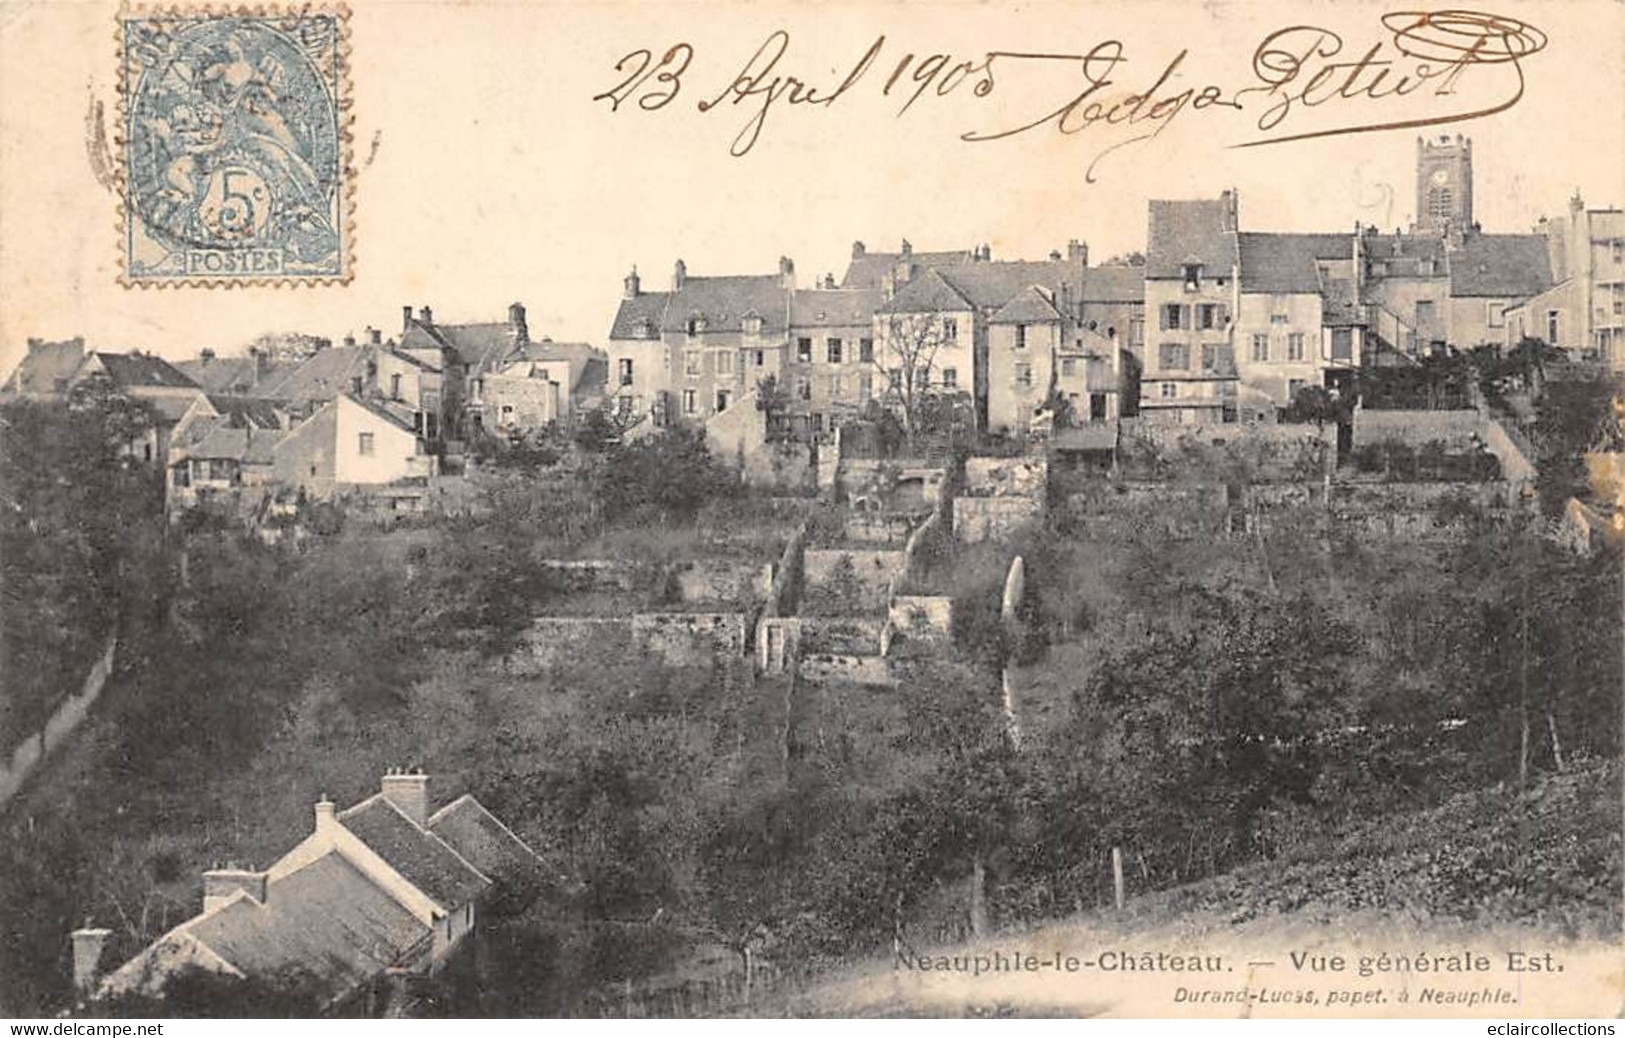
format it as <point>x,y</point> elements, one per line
<point>406,317</point>
<point>425,314</point>
<point>679,275</point>
<point>858,250</point>
<point>326,813</point>
<point>375,336</point>
<point>633,284</point>
<point>1055,255</point>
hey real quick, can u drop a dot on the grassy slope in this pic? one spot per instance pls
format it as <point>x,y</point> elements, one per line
<point>1454,873</point>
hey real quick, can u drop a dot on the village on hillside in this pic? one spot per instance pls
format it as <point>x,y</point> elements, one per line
<point>781,547</point>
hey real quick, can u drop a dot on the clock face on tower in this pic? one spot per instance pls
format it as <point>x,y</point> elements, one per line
<point>1441,177</point>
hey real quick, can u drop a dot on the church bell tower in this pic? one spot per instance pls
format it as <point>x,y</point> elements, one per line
<point>1444,186</point>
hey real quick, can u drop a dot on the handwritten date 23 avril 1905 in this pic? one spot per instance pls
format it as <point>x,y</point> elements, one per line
<point>1422,57</point>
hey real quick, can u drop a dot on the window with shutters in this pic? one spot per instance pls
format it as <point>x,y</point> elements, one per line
<point>1174,356</point>
<point>1207,316</point>
<point>1294,346</point>
<point>1261,346</point>
<point>866,351</point>
<point>804,350</point>
<point>1171,313</point>
<point>833,348</point>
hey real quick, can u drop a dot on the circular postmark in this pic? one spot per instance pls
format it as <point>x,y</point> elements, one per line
<point>234,138</point>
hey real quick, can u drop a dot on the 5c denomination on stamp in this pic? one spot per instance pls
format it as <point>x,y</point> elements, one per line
<point>235,158</point>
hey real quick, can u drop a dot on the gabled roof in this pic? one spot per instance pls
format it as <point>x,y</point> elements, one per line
<point>989,285</point>
<point>1029,306</point>
<point>483,841</point>
<point>1504,265</point>
<point>480,346</point>
<point>645,307</point>
<point>215,438</point>
<point>726,301</point>
<point>833,307</point>
<point>323,377</point>
<point>871,268</point>
<point>384,409</point>
<point>425,860</point>
<point>1116,283</point>
<point>327,921</point>
<point>130,370</point>
<point>247,411</point>
<point>1189,231</point>
<point>927,294</point>
<point>1288,263</point>
<point>221,374</point>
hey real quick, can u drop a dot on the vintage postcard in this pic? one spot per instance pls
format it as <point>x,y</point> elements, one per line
<point>812,509</point>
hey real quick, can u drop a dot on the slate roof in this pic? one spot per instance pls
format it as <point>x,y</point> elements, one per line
<point>833,307</point>
<point>324,376</point>
<point>129,370</point>
<point>216,439</point>
<point>417,854</point>
<point>1288,263</point>
<point>483,841</point>
<point>646,306</point>
<point>383,409</point>
<point>870,269</point>
<point>247,411</point>
<point>989,285</point>
<point>480,346</point>
<point>1402,254</point>
<point>221,374</point>
<point>326,920</point>
<point>1501,265</point>
<point>44,364</point>
<point>1116,283</point>
<point>927,294</point>
<point>1029,306</point>
<point>1189,231</point>
<point>726,301</point>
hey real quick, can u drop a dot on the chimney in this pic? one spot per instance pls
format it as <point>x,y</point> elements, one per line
<point>829,282</point>
<point>221,885</point>
<point>35,343</point>
<point>1576,204</point>
<point>408,791</point>
<point>1078,252</point>
<point>679,276</point>
<point>787,272</point>
<point>375,336</point>
<point>516,321</point>
<point>206,355</point>
<point>632,284</point>
<point>406,318</point>
<point>326,814</point>
<point>1055,255</point>
<point>908,248</point>
<point>425,314</point>
<point>858,251</point>
<point>88,944</point>
<point>262,362</point>
<point>349,339</point>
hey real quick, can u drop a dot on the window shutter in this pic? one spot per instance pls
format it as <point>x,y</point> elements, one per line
<point>1185,317</point>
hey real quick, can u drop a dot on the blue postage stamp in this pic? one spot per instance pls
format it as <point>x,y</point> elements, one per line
<point>235,163</point>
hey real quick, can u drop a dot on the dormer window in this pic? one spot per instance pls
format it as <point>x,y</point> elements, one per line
<point>696,324</point>
<point>645,329</point>
<point>1193,276</point>
<point>752,324</point>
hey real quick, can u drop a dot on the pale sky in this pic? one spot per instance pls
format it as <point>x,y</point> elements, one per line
<point>497,178</point>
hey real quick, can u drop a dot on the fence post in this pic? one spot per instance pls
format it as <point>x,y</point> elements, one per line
<point>1117,876</point>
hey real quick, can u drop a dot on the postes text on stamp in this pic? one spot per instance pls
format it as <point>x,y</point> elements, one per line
<point>235,159</point>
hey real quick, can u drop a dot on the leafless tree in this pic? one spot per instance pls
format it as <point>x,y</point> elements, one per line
<point>908,358</point>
